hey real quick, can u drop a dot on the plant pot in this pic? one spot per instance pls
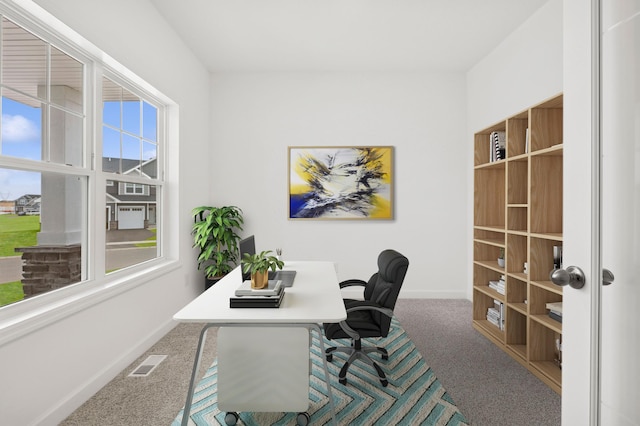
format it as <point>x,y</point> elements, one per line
<point>259,279</point>
<point>209,281</point>
<point>501,262</point>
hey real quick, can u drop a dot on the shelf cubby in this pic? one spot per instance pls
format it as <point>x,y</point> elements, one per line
<point>516,134</point>
<point>489,208</point>
<point>516,253</point>
<point>546,194</point>
<point>516,332</point>
<point>517,183</point>
<point>487,236</point>
<point>517,218</point>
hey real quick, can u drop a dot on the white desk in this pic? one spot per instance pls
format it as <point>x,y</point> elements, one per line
<point>314,298</point>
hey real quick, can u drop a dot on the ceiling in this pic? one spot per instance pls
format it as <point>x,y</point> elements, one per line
<point>344,35</point>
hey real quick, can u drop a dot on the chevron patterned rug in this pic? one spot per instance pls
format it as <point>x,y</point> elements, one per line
<point>414,395</point>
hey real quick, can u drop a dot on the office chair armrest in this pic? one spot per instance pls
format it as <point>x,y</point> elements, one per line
<point>370,307</point>
<point>353,282</point>
<point>363,306</point>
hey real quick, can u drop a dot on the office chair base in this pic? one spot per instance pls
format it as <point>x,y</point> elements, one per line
<point>358,352</point>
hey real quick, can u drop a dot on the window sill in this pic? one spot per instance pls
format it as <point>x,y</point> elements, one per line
<point>27,316</point>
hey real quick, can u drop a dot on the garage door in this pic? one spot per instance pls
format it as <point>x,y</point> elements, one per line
<point>131,217</point>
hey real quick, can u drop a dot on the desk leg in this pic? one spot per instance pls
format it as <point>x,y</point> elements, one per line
<point>327,380</point>
<point>194,373</point>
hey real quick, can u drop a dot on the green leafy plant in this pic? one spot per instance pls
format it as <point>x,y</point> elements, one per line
<point>501,256</point>
<point>215,235</point>
<point>260,262</point>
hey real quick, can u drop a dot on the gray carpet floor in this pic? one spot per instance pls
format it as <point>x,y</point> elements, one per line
<point>488,386</point>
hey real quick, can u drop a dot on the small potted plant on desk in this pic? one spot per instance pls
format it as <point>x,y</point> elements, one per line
<point>215,234</point>
<point>259,265</point>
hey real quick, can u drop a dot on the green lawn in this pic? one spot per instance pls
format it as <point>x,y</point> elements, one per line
<point>151,239</point>
<point>17,231</point>
<point>11,292</point>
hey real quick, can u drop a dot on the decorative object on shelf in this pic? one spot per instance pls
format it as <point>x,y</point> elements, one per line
<point>259,265</point>
<point>215,235</point>
<point>501,258</point>
<point>341,182</point>
<point>557,257</point>
<point>279,253</point>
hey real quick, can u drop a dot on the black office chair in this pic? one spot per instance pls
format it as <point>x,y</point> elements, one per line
<point>370,317</point>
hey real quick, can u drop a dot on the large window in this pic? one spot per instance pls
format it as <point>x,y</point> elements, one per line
<point>61,182</point>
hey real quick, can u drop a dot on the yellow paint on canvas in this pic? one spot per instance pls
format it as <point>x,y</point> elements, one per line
<point>382,208</point>
<point>386,161</point>
<point>299,189</point>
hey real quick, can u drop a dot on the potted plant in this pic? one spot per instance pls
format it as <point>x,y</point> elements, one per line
<point>259,264</point>
<point>215,235</point>
<point>501,258</point>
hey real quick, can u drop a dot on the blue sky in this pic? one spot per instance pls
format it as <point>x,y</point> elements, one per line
<point>22,130</point>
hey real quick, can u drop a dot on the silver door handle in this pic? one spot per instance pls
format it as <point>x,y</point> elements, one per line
<point>607,277</point>
<point>572,276</point>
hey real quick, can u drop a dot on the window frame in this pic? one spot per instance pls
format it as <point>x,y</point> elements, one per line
<point>97,285</point>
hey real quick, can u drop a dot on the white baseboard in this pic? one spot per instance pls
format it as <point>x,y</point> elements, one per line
<point>74,400</point>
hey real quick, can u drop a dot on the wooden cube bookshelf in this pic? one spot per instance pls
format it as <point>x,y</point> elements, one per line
<point>518,208</point>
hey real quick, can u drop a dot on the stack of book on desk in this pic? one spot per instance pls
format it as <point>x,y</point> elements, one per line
<point>268,297</point>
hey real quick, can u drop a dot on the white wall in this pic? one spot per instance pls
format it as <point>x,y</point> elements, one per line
<point>49,372</point>
<point>525,69</point>
<point>255,117</point>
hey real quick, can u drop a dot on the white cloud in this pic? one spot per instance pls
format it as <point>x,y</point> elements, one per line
<point>16,128</point>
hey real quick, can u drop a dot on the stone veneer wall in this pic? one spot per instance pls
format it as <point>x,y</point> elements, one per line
<point>46,268</point>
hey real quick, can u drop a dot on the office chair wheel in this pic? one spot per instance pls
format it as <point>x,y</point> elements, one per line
<point>384,382</point>
<point>385,357</point>
<point>302,419</point>
<point>329,357</point>
<point>343,381</point>
<point>231,418</point>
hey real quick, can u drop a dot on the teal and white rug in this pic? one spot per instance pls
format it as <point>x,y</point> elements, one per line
<point>414,395</point>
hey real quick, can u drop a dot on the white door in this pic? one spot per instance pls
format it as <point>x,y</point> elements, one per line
<point>620,371</point>
<point>601,331</point>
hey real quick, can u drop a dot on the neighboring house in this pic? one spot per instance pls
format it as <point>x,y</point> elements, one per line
<point>28,204</point>
<point>7,207</point>
<point>130,205</point>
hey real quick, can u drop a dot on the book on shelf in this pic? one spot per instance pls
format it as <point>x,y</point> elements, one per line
<point>555,307</point>
<point>497,146</point>
<point>555,316</point>
<point>495,314</point>
<point>498,285</point>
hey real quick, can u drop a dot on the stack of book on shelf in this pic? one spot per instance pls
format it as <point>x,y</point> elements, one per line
<point>497,146</point>
<point>268,297</point>
<point>499,285</point>
<point>495,314</point>
<point>555,310</point>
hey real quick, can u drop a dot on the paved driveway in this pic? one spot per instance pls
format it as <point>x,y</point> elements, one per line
<point>10,269</point>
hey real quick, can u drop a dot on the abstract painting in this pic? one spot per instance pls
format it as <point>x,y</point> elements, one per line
<point>341,182</point>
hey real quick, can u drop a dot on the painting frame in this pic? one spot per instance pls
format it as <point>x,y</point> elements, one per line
<point>341,182</point>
